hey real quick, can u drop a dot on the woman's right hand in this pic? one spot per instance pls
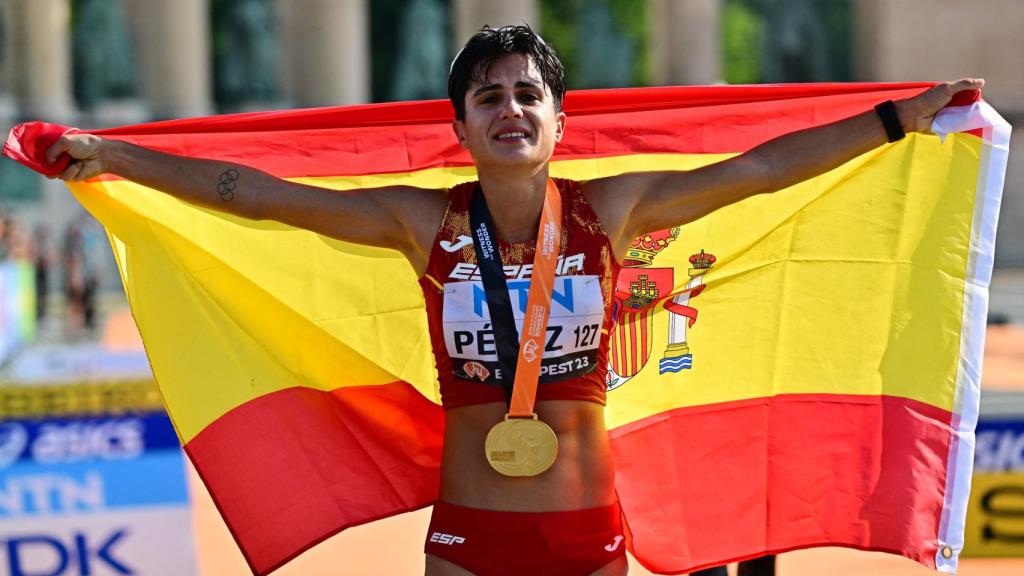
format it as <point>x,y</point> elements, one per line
<point>86,152</point>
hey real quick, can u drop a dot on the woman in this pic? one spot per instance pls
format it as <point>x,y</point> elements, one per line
<point>540,497</point>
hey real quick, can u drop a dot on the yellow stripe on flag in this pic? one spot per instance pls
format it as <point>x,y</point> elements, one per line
<point>842,285</point>
<point>790,264</point>
<point>241,317</point>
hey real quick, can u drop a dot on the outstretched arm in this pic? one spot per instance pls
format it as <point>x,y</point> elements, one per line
<point>390,217</point>
<point>635,203</point>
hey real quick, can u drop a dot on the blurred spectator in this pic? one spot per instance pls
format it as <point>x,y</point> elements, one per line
<point>716,571</point>
<point>79,282</point>
<point>44,260</point>
<point>763,566</point>
<point>3,235</point>
<point>17,241</point>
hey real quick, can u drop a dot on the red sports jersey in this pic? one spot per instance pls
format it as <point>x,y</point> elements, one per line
<point>575,364</point>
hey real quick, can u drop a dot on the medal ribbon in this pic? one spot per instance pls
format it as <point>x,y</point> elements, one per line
<point>522,394</point>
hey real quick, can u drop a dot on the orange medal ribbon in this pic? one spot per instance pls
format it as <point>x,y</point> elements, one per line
<point>522,445</point>
<point>532,336</point>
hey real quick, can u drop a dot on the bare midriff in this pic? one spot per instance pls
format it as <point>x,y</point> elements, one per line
<point>581,477</point>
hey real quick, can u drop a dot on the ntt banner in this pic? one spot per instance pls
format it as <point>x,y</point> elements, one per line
<point>92,482</point>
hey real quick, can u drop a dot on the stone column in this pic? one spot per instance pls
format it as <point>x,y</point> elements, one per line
<point>942,40</point>
<point>685,41</point>
<point>870,40</point>
<point>42,58</point>
<point>173,39</point>
<point>8,58</point>
<point>327,51</point>
<point>471,15</point>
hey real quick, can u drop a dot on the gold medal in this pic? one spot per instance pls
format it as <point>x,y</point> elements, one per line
<point>521,446</point>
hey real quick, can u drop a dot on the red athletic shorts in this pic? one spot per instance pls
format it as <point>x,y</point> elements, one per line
<point>498,543</point>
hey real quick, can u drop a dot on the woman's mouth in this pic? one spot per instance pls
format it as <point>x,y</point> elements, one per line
<point>506,135</point>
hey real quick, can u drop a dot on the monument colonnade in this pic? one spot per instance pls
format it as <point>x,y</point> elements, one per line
<point>325,48</point>
<point>325,57</point>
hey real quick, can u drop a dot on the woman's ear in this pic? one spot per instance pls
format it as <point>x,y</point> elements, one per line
<point>460,132</point>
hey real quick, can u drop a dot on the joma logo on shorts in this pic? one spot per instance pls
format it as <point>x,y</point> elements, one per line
<point>448,539</point>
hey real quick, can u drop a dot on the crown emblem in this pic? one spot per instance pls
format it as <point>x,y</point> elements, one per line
<point>703,260</point>
<point>643,249</point>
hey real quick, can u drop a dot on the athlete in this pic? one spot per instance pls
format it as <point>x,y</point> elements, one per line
<point>506,87</point>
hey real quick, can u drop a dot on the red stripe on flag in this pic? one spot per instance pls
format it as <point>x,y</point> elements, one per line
<point>613,347</point>
<point>633,366</point>
<point>612,360</point>
<point>294,467</point>
<point>579,102</point>
<point>623,321</point>
<point>644,321</point>
<point>865,472</point>
<point>411,136</point>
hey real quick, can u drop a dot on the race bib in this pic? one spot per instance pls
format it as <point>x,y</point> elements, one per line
<point>573,332</point>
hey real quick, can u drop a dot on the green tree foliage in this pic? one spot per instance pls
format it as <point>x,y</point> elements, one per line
<point>384,14</point>
<point>104,62</point>
<point>245,51</point>
<point>415,49</point>
<point>747,33</point>
<point>742,30</point>
<point>560,26</point>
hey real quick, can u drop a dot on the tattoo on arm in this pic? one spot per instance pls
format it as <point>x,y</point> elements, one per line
<point>226,186</point>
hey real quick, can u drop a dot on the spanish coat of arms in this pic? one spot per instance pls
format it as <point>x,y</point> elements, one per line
<point>640,290</point>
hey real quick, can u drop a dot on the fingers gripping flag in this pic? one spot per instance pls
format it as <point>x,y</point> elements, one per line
<point>797,369</point>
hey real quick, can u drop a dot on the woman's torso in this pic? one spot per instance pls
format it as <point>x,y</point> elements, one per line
<point>571,395</point>
<point>581,477</point>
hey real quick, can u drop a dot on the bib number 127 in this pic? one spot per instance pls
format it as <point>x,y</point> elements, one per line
<point>585,335</point>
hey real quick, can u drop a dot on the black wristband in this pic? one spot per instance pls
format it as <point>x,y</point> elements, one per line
<point>887,112</point>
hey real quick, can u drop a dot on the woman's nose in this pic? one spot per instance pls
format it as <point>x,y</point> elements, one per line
<point>511,109</point>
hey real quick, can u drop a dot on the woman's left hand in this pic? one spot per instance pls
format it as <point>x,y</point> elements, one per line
<point>916,114</point>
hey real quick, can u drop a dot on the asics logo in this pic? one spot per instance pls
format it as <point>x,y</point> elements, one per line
<point>449,539</point>
<point>614,545</point>
<point>13,439</point>
<point>461,242</point>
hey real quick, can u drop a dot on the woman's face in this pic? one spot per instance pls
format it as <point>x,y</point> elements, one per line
<point>510,118</point>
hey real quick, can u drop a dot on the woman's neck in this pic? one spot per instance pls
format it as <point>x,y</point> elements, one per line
<point>515,203</point>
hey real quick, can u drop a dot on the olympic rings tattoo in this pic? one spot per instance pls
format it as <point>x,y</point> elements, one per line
<point>226,187</point>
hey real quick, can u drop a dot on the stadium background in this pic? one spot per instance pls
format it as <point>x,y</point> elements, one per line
<point>94,63</point>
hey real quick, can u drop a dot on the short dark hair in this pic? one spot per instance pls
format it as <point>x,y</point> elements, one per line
<point>488,45</point>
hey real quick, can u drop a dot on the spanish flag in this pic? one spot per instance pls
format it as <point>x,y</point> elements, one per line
<point>795,370</point>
